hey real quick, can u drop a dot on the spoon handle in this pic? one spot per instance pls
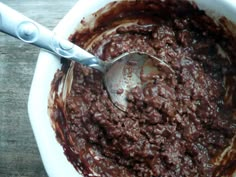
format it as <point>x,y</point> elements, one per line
<point>29,31</point>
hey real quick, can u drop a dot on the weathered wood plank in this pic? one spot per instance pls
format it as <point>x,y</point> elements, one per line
<point>19,156</point>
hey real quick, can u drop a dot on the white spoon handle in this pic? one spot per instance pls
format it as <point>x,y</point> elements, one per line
<point>29,31</point>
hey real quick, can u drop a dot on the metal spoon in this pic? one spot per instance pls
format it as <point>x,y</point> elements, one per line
<point>120,74</point>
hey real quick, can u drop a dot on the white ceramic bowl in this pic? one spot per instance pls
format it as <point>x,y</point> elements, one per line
<point>51,151</point>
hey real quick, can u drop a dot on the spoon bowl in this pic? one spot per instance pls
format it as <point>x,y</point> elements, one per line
<point>127,71</point>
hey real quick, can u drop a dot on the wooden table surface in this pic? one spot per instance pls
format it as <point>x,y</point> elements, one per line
<point>19,155</point>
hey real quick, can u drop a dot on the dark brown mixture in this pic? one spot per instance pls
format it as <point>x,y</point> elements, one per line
<point>177,125</point>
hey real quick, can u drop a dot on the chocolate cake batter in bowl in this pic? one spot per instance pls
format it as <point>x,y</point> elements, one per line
<point>177,124</point>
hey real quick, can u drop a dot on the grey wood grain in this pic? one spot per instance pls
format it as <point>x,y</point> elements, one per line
<point>19,156</point>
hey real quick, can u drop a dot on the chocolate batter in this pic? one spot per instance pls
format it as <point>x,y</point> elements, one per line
<point>176,125</point>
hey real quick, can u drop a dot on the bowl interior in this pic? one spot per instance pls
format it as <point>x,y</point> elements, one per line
<point>51,151</point>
